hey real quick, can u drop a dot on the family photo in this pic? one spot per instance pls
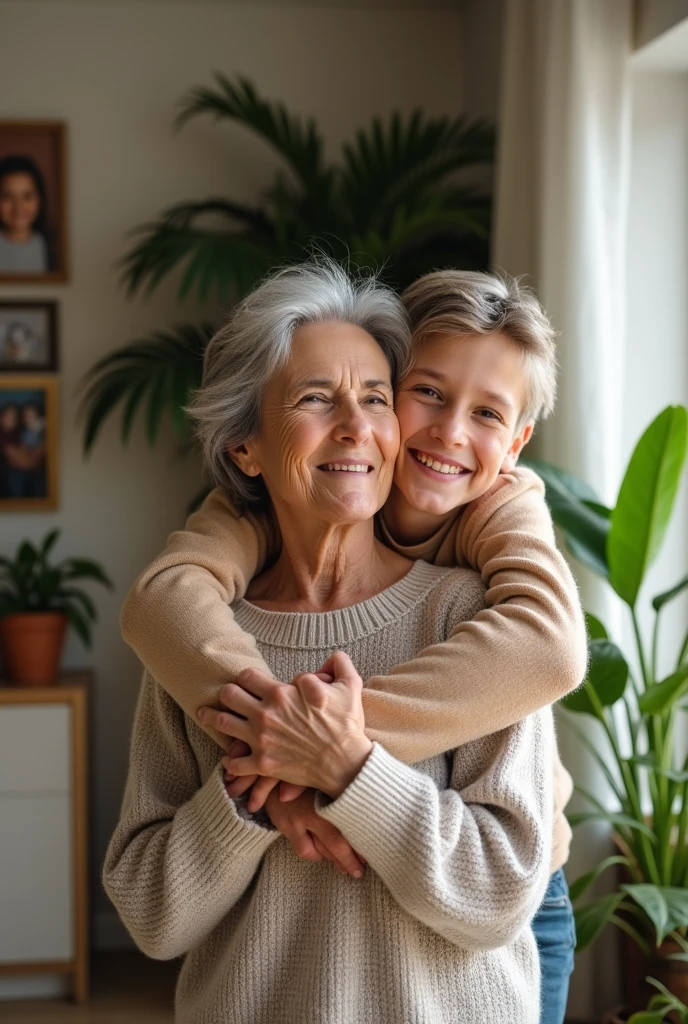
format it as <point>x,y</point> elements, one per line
<point>27,444</point>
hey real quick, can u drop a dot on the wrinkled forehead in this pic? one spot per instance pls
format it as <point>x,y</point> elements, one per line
<point>333,356</point>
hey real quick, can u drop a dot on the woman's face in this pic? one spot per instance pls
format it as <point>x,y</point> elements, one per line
<point>19,203</point>
<point>9,417</point>
<point>328,437</point>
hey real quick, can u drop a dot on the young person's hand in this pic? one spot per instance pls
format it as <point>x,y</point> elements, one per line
<point>311,837</point>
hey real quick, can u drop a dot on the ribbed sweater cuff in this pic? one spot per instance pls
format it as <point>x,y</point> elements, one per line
<point>377,805</point>
<point>220,816</point>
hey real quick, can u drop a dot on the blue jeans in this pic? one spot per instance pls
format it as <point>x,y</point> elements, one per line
<point>555,934</point>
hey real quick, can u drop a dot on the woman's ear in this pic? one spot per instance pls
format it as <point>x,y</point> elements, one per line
<point>517,445</point>
<point>244,457</point>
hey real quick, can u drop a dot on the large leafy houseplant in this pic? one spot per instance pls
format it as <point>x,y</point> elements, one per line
<point>38,600</point>
<point>396,200</point>
<point>635,707</point>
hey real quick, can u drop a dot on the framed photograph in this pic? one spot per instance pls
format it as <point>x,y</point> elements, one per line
<point>28,337</point>
<point>28,443</point>
<point>33,190</point>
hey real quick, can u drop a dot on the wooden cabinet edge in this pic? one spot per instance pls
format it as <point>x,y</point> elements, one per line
<point>72,689</point>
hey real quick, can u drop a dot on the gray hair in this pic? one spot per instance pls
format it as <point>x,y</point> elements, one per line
<point>255,343</point>
<point>463,302</point>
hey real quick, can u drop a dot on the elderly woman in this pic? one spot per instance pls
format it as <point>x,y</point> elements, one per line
<point>457,847</point>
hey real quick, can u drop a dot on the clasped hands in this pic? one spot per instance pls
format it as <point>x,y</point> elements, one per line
<point>308,734</point>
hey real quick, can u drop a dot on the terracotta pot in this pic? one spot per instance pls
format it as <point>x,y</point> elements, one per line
<point>31,646</point>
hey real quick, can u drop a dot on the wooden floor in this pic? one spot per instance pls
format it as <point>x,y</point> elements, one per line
<point>126,988</point>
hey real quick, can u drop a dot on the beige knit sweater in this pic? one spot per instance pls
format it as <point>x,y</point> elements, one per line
<point>524,651</point>
<point>458,851</point>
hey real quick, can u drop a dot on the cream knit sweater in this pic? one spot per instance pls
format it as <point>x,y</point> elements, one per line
<point>526,649</point>
<point>458,851</point>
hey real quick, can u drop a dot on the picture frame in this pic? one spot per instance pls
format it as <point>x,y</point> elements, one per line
<point>28,337</point>
<point>29,443</point>
<point>33,202</point>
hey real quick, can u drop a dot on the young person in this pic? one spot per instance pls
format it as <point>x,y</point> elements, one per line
<point>484,372</point>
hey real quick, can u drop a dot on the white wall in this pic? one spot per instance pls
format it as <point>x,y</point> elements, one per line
<point>657,333</point>
<point>114,72</point>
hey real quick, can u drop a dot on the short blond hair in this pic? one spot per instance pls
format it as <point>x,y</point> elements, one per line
<point>464,302</point>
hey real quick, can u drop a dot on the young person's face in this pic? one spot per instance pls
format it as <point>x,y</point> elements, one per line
<point>19,203</point>
<point>458,411</point>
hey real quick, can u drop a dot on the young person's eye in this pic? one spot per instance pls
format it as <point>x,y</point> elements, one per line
<point>425,389</point>
<point>489,414</point>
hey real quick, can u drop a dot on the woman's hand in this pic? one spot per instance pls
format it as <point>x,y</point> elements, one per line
<point>311,837</point>
<point>309,733</point>
<point>260,786</point>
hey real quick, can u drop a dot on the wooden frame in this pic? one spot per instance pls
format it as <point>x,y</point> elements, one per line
<point>43,143</point>
<point>73,691</point>
<point>14,310</point>
<point>13,490</point>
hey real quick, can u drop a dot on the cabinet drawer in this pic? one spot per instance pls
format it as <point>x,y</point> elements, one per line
<point>35,748</point>
<point>36,888</point>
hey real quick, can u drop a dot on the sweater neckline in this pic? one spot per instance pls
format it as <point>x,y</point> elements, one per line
<point>342,626</point>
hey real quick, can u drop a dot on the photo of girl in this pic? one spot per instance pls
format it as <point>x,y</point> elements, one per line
<point>32,198</point>
<point>23,242</point>
<point>27,446</point>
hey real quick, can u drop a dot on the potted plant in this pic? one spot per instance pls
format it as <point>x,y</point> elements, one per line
<point>663,1006</point>
<point>637,711</point>
<point>391,201</point>
<point>38,600</point>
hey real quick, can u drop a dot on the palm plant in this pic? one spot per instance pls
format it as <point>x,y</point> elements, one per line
<point>394,202</point>
<point>636,708</point>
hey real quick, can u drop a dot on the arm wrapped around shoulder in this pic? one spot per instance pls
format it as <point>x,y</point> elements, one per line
<point>177,616</point>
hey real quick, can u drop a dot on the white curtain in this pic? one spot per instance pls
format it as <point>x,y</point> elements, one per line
<point>562,187</point>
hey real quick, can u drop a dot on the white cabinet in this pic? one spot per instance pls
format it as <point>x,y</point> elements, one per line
<point>43,830</point>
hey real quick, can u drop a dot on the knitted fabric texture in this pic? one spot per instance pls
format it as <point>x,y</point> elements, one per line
<point>525,649</point>
<point>458,851</point>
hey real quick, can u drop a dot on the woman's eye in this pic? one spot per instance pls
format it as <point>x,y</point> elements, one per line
<point>313,399</point>
<point>376,400</point>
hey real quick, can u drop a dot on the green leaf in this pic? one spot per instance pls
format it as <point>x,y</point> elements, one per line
<point>74,594</point>
<point>146,367</point>
<point>585,881</point>
<point>592,918</point>
<point>79,624</point>
<point>596,629</point>
<point>607,677</point>
<point>648,1017</point>
<point>666,906</point>
<point>668,595</point>
<point>661,696</point>
<point>646,501</point>
<point>560,482</point>
<point>650,761</point>
<point>48,543</point>
<point>296,141</point>
<point>613,818</point>
<point>84,568</point>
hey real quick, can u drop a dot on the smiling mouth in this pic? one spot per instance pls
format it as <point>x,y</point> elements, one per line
<point>445,468</point>
<point>346,467</point>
